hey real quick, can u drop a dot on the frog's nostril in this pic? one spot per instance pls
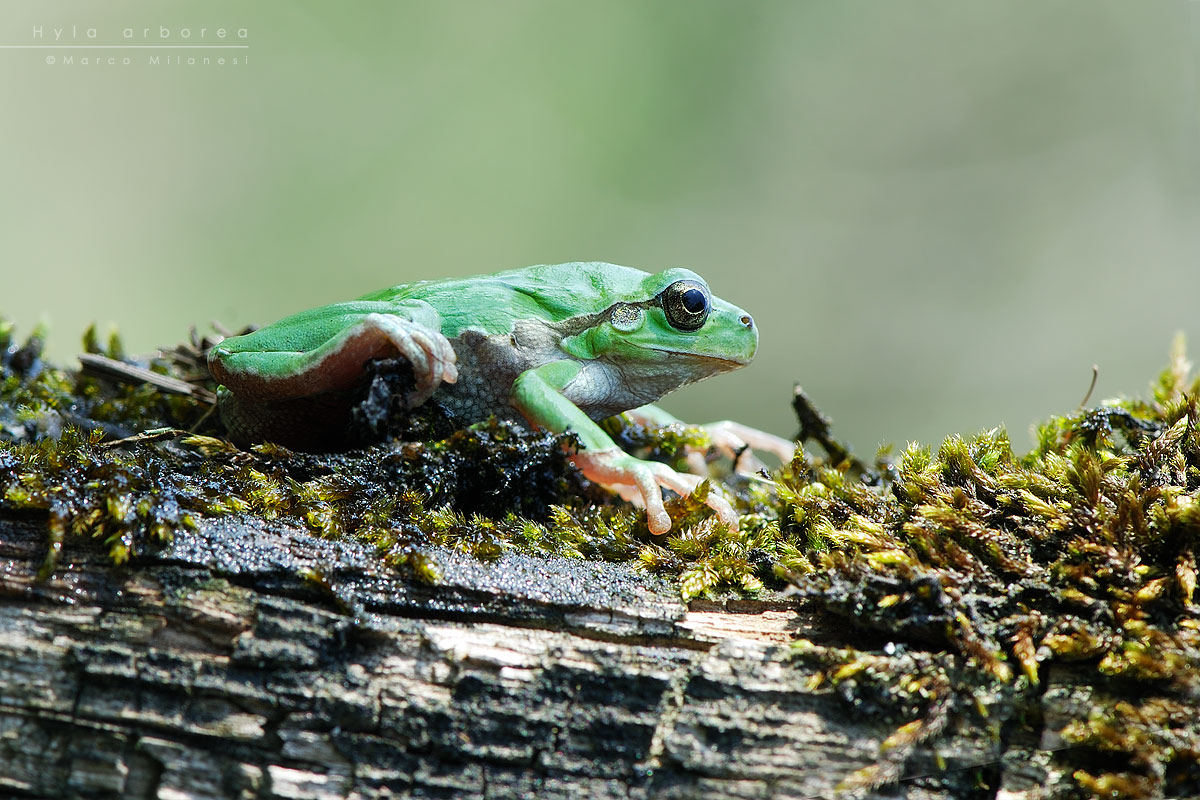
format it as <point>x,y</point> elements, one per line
<point>747,320</point>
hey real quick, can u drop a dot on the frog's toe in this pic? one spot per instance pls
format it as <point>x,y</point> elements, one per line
<point>428,351</point>
<point>448,359</point>
<point>433,360</point>
<point>657,518</point>
<point>697,464</point>
<point>736,440</point>
<point>686,484</point>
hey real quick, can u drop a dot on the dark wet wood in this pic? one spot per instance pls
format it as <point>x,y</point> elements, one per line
<point>217,669</point>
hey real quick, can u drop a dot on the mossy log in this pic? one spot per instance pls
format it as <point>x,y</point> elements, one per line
<point>254,660</point>
<point>456,612</point>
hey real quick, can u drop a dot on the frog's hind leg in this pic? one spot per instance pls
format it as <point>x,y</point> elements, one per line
<point>732,439</point>
<point>337,363</point>
<point>317,424</point>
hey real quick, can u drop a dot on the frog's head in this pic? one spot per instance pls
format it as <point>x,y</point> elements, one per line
<point>666,328</point>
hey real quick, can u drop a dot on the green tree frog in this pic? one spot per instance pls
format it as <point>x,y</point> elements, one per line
<point>558,346</point>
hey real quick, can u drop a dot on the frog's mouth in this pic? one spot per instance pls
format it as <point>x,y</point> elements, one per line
<point>728,363</point>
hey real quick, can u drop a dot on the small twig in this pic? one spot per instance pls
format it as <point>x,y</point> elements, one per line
<point>152,435</point>
<point>816,426</point>
<point>104,367</point>
<point>1091,386</point>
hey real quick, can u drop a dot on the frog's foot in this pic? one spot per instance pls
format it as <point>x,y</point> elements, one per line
<point>428,351</point>
<point>737,441</point>
<point>614,467</point>
<point>729,438</point>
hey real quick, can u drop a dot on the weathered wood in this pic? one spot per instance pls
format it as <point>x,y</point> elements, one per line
<point>216,670</point>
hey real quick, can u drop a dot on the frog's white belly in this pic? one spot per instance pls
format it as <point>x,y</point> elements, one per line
<point>488,365</point>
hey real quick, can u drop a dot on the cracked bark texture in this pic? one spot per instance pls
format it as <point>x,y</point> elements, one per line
<point>214,669</point>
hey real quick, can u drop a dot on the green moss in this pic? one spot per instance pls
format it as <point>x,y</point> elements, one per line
<point>1079,556</point>
<point>985,569</point>
<point>485,490</point>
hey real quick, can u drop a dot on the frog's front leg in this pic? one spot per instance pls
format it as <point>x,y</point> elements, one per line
<point>324,350</point>
<point>537,393</point>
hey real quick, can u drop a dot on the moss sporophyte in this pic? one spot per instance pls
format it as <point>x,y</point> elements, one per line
<point>981,572</point>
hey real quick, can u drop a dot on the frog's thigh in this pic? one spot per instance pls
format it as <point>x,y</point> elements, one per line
<point>337,363</point>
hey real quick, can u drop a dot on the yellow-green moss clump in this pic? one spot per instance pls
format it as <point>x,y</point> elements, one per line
<point>1077,560</point>
<point>119,459</point>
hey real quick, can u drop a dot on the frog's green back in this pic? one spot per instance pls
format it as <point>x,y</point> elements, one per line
<point>552,292</point>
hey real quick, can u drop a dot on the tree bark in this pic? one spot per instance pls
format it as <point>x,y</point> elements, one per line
<point>252,660</point>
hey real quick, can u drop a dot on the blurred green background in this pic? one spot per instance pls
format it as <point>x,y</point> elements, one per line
<point>941,213</point>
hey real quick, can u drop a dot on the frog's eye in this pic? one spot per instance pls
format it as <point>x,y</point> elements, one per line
<point>686,304</point>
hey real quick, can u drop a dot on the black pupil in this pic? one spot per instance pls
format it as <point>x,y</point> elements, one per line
<point>693,301</point>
